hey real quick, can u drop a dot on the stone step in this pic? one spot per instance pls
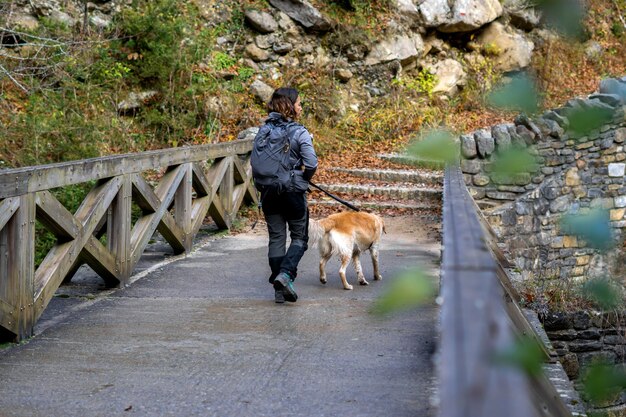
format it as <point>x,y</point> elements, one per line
<point>405,159</point>
<point>421,194</point>
<point>430,178</point>
<point>381,205</point>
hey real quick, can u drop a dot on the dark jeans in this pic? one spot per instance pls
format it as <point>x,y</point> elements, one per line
<point>282,211</point>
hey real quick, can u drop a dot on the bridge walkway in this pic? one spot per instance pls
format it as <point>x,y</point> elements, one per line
<point>200,335</point>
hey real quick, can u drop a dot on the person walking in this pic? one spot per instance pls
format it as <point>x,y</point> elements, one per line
<point>283,195</point>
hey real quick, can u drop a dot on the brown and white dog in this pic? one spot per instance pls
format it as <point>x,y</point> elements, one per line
<point>347,234</point>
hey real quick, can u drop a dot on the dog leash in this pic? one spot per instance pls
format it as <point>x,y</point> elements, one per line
<point>345,203</point>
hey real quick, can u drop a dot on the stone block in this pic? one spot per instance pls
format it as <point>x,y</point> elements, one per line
<point>480,180</point>
<point>581,320</point>
<point>497,195</point>
<point>468,147</point>
<point>557,321</point>
<point>583,260</point>
<point>617,169</point>
<point>620,201</point>
<point>570,365</point>
<point>570,241</point>
<point>617,214</point>
<point>559,336</point>
<point>484,143</point>
<point>584,145</point>
<point>470,166</point>
<point>620,135</point>
<point>585,346</point>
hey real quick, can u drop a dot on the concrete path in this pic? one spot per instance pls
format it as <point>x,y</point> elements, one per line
<point>201,336</point>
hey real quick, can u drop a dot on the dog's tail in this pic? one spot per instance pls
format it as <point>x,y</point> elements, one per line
<point>318,229</point>
<point>316,232</point>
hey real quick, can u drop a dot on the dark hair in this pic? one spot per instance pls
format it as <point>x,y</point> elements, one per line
<point>283,102</point>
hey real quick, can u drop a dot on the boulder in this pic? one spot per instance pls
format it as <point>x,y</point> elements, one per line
<point>262,22</point>
<point>304,13</point>
<point>255,53</point>
<point>449,76</point>
<point>512,50</point>
<point>615,86</point>
<point>401,47</point>
<point>459,15</point>
<point>261,91</point>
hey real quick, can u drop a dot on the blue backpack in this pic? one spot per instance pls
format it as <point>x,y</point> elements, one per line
<point>270,158</point>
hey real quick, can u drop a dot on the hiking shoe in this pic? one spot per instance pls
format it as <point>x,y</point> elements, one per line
<point>283,283</point>
<point>279,297</point>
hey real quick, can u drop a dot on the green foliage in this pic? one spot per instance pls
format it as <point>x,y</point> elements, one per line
<point>222,61</point>
<point>604,293</point>
<point>519,94</point>
<point>602,381</point>
<point>514,160</point>
<point>593,227</point>
<point>524,354</point>
<point>585,120</point>
<point>436,145</point>
<point>424,82</point>
<point>409,290</point>
<point>154,33</point>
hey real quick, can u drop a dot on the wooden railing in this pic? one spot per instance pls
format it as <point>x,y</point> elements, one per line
<point>189,183</point>
<point>480,320</point>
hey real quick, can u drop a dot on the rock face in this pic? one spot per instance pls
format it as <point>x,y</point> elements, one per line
<point>304,13</point>
<point>449,75</point>
<point>286,34</point>
<point>459,15</point>
<point>511,49</point>
<point>404,48</point>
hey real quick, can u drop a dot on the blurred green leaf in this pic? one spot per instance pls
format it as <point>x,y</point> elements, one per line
<point>593,227</point>
<point>603,380</point>
<point>604,292</point>
<point>514,160</point>
<point>518,94</point>
<point>582,121</point>
<point>525,354</point>
<point>410,289</point>
<point>436,145</point>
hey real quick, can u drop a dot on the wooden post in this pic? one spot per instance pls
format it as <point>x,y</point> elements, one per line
<point>226,192</point>
<point>182,205</point>
<point>21,272</point>
<point>119,230</point>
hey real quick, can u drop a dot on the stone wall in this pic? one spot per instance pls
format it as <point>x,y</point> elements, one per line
<point>573,174</point>
<point>582,337</point>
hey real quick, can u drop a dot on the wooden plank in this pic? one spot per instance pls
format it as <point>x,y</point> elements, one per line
<point>200,181</point>
<point>225,192</point>
<point>24,265</point>
<point>218,214</point>
<point>7,317</point>
<point>159,199</point>
<point>243,175</point>
<point>102,262</point>
<point>216,174</point>
<point>62,257</point>
<point>199,210</point>
<point>8,207</point>
<point>118,235</point>
<point>182,205</point>
<point>474,323</point>
<point>15,182</point>
<point>55,217</point>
